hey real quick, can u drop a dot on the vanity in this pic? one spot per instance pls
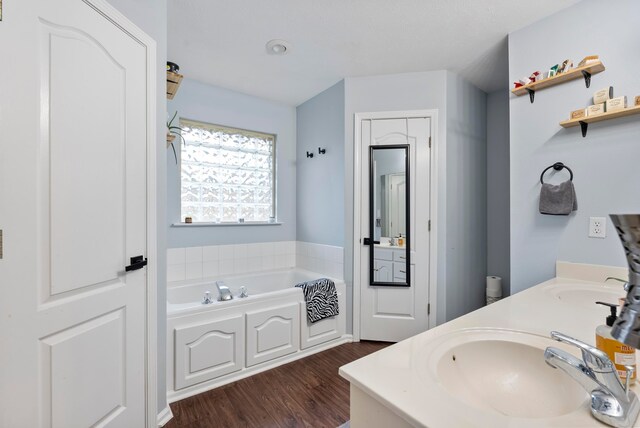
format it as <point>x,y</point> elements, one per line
<point>487,368</point>
<point>390,264</point>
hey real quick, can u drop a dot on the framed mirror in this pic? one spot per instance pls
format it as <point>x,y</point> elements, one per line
<point>389,216</point>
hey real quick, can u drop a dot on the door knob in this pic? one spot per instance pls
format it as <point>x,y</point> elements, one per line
<point>137,262</point>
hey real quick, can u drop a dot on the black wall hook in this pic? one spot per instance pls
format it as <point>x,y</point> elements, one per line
<point>309,154</point>
<point>322,151</point>
<point>558,166</point>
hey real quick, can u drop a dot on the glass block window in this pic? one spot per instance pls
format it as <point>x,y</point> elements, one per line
<point>227,174</point>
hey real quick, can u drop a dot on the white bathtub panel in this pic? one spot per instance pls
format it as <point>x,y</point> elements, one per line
<point>324,330</point>
<point>318,332</point>
<point>272,333</point>
<point>207,351</point>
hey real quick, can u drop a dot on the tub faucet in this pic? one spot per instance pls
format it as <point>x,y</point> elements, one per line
<point>223,291</point>
<point>207,300</point>
<point>611,401</point>
<point>243,292</point>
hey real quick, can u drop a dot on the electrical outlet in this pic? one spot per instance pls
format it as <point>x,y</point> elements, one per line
<point>597,227</point>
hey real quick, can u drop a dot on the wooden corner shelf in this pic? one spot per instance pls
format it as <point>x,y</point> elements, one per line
<point>575,73</point>
<point>173,83</point>
<point>585,121</point>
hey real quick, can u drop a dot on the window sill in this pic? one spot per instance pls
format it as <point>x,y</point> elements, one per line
<point>255,223</point>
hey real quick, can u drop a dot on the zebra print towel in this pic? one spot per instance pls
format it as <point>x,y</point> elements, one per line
<point>321,298</point>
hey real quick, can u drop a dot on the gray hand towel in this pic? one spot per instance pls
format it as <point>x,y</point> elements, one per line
<point>558,199</point>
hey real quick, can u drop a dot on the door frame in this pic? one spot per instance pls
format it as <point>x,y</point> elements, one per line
<point>151,322</point>
<point>432,114</point>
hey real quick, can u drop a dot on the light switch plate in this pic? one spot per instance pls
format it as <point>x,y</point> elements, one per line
<point>597,227</point>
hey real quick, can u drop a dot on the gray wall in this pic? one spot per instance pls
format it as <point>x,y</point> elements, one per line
<point>466,197</point>
<point>320,180</point>
<point>151,17</point>
<point>604,163</point>
<point>498,260</point>
<point>199,101</point>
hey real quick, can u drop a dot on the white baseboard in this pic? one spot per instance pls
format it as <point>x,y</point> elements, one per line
<point>173,396</point>
<point>165,416</point>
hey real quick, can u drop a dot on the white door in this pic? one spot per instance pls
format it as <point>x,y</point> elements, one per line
<point>396,207</point>
<point>394,313</point>
<point>73,211</point>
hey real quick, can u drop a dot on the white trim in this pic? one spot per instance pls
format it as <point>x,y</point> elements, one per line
<point>164,416</point>
<point>151,334</point>
<point>433,207</point>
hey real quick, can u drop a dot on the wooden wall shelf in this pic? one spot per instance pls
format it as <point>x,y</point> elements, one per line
<point>585,121</point>
<point>575,73</point>
<point>173,83</point>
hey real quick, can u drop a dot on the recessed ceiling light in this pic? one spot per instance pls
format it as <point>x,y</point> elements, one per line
<point>278,47</point>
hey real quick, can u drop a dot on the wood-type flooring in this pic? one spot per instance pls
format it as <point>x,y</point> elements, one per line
<point>305,393</point>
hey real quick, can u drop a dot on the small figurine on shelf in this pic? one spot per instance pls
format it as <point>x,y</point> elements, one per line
<point>553,70</point>
<point>567,64</point>
<point>534,77</point>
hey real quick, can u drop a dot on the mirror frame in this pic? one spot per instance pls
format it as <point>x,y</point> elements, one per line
<point>371,243</point>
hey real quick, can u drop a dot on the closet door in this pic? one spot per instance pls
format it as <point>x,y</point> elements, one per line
<point>389,311</point>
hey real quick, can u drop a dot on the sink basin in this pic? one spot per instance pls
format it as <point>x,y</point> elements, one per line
<point>504,372</point>
<point>585,295</point>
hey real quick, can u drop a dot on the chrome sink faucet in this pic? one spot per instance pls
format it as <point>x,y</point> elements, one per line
<point>611,402</point>
<point>625,284</point>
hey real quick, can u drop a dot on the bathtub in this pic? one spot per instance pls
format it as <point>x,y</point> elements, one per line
<point>215,344</point>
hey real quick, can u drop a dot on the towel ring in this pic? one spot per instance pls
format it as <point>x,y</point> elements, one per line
<point>558,166</point>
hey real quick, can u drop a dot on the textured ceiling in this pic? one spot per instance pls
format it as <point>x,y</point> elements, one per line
<point>222,42</point>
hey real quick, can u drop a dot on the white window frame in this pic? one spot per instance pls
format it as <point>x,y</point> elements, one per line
<point>274,206</point>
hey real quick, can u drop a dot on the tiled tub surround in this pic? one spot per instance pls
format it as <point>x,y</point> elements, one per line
<point>320,258</point>
<point>212,345</point>
<point>218,261</point>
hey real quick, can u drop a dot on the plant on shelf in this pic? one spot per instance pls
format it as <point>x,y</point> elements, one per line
<point>173,131</point>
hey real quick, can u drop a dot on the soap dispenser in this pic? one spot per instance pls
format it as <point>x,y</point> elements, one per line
<point>620,354</point>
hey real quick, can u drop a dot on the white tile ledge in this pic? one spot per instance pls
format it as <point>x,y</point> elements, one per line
<point>257,223</point>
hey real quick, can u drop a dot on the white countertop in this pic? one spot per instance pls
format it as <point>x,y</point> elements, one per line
<point>391,247</point>
<point>394,375</point>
